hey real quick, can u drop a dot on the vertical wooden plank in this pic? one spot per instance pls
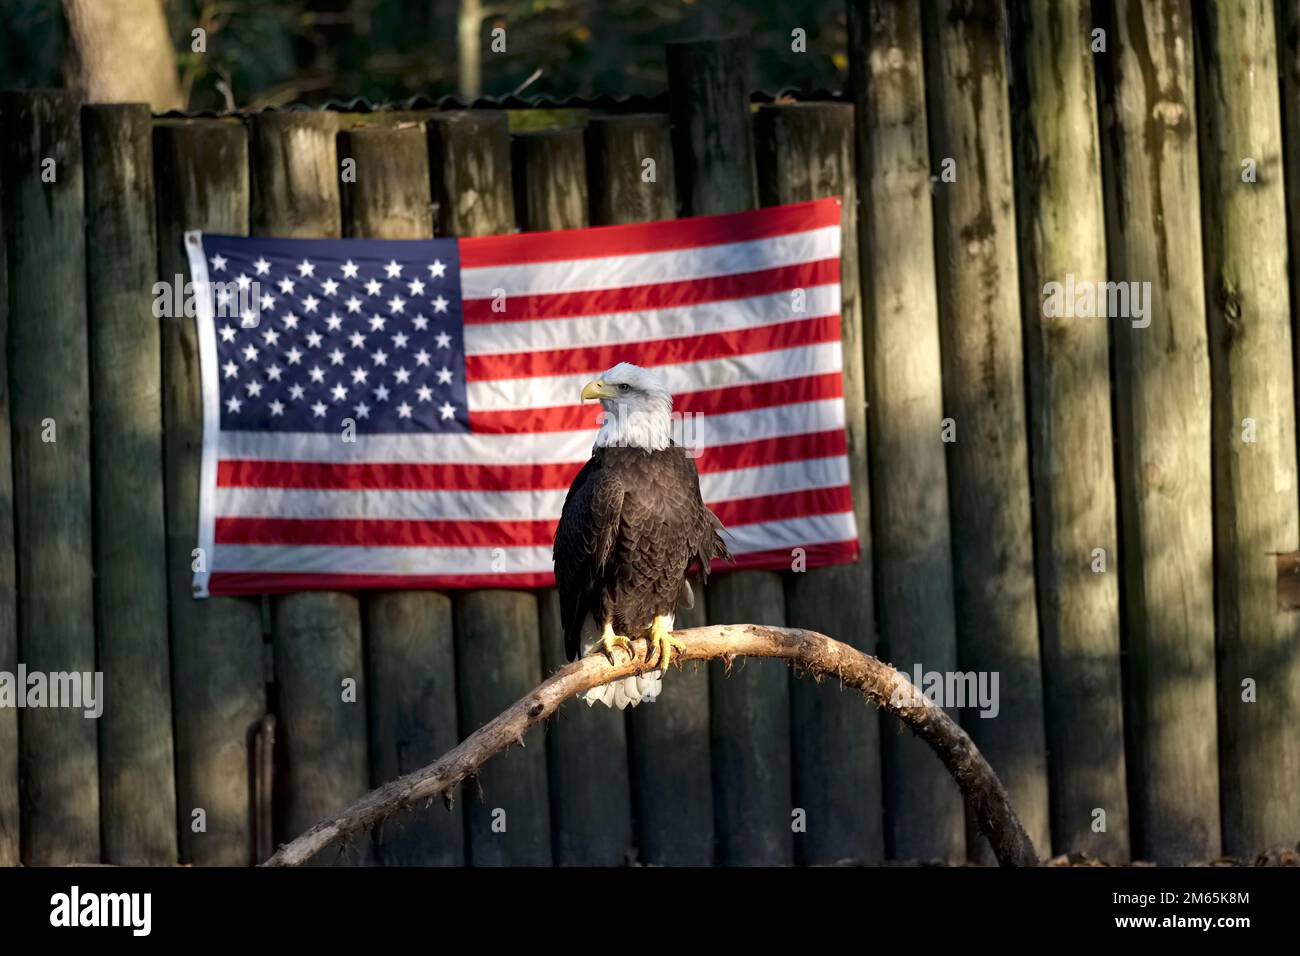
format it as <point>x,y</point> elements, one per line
<point>218,672</point>
<point>317,636</point>
<point>983,386</point>
<point>586,753</point>
<point>924,817</point>
<point>1253,421</point>
<point>708,83</point>
<point>9,825</point>
<point>668,743</point>
<point>49,382</point>
<point>586,745</point>
<point>805,151</point>
<point>1162,403</point>
<point>498,650</point>
<point>136,770</point>
<point>412,667</point>
<point>498,660</point>
<point>1062,233</point>
<point>1288,31</point>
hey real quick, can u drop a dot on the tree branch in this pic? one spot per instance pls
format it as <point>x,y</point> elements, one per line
<point>807,650</point>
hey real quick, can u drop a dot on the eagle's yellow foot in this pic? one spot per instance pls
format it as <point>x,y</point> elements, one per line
<point>659,652</point>
<point>609,642</point>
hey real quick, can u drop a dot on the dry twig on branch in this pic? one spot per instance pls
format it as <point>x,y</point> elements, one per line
<point>807,650</point>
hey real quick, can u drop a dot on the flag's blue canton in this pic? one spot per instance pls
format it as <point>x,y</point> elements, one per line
<point>314,332</point>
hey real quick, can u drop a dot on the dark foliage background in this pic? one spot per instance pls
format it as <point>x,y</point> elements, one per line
<point>271,52</point>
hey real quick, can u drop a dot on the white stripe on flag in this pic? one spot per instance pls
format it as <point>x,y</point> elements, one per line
<point>559,390</point>
<point>779,421</point>
<point>616,272</point>
<point>310,503</point>
<point>330,559</point>
<point>501,338</point>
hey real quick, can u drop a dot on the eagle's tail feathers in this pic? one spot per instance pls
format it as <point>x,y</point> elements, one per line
<point>628,692</point>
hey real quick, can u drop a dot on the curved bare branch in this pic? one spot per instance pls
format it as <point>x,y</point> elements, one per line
<point>807,650</point>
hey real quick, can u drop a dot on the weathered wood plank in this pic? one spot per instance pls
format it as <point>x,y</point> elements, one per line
<point>805,151</point>
<point>1062,231</point>
<point>668,743</point>
<point>218,671</point>
<point>498,660</point>
<point>413,719</point>
<point>136,771</point>
<point>317,636</point>
<point>586,746</point>
<point>1162,401</point>
<point>1254,420</point>
<point>409,641</point>
<point>983,385</point>
<point>909,481</point>
<point>586,753</point>
<point>498,651</point>
<point>9,802</point>
<point>50,412</point>
<point>750,728</point>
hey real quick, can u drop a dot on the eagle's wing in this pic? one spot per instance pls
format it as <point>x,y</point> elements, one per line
<point>584,539</point>
<point>705,539</point>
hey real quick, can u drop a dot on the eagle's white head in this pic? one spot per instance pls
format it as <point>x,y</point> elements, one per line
<point>638,408</point>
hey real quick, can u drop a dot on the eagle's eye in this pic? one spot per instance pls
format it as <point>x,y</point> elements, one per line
<point>623,386</point>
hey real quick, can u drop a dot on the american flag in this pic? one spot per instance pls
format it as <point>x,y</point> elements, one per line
<point>406,413</point>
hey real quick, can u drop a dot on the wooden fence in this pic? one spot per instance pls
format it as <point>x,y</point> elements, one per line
<point>1090,508</point>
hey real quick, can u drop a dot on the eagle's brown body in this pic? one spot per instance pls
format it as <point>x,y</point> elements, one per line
<point>632,524</point>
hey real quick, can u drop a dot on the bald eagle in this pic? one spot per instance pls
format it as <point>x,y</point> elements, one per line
<point>633,523</point>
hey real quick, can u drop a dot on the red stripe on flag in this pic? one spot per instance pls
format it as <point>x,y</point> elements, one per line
<point>770,451</point>
<point>660,295</point>
<point>456,476</point>
<point>711,401</point>
<point>641,238</point>
<point>258,582</point>
<point>393,476</point>
<point>689,348</point>
<point>784,506</point>
<point>384,533</point>
<point>395,533</point>
<point>780,559</point>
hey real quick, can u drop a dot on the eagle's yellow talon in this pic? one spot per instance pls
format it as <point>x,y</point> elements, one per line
<point>659,652</point>
<point>609,642</point>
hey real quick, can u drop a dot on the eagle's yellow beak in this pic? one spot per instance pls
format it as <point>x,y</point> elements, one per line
<point>596,389</point>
